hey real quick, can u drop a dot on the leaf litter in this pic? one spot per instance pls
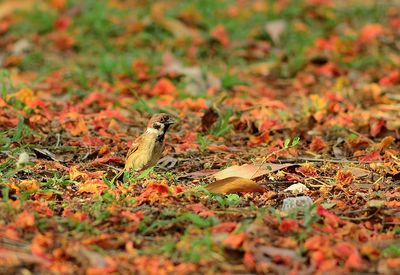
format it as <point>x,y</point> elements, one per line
<point>237,192</point>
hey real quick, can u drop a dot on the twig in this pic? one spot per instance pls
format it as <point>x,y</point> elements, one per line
<point>11,242</point>
<point>294,160</point>
<point>267,157</point>
<point>376,182</point>
<point>58,140</point>
<point>360,218</point>
<point>278,182</point>
<point>316,185</point>
<point>112,167</point>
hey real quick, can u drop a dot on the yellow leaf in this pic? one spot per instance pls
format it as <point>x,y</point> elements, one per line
<point>92,186</point>
<point>29,185</point>
<point>25,220</point>
<point>234,185</point>
<point>80,128</point>
<point>13,187</point>
<point>385,143</point>
<point>25,95</point>
<point>8,7</point>
<point>75,174</point>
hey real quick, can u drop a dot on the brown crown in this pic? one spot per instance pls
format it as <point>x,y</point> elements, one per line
<point>162,118</point>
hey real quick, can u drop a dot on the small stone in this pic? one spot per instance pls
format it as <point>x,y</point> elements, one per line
<point>296,202</point>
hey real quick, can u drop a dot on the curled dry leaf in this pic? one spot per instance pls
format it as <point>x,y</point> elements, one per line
<point>276,29</point>
<point>167,162</point>
<point>249,171</point>
<point>234,185</point>
<point>385,143</point>
<point>209,118</point>
<point>45,154</point>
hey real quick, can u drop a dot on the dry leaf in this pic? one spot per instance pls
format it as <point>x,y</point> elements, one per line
<point>197,80</point>
<point>29,185</point>
<point>8,7</point>
<point>219,33</point>
<point>375,203</point>
<point>197,174</point>
<point>265,253</point>
<point>234,185</point>
<point>249,171</point>
<point>21,46</point>
<point>94,258</point>
<point>385,143</point>
<point>167,162</point>
<point>296,188</point>
<point>176,27</point>
<point>357,172</point>
<point>45,154</point>
<point>21,258</point>
<point>275,29</point>
<point>209,118</point>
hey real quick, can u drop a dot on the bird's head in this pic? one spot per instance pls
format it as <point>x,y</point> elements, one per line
<point>160,122</point>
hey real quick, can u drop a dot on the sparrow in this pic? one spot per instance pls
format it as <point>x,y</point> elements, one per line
<point>147,149</point>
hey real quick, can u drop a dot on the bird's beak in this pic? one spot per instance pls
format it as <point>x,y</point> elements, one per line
<point>170,121</point>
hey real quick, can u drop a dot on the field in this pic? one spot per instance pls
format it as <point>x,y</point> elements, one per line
<point>284,158</point>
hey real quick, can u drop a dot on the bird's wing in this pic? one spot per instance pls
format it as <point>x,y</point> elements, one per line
<point>134,147</point>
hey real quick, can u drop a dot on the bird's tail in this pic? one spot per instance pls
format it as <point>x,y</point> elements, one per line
<point>119,175</point>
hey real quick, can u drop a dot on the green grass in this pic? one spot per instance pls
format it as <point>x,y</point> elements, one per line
<point>96,28</point>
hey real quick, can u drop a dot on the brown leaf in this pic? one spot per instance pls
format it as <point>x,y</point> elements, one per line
<point>93,257</point>
<point>167,162</point>
<point>249,171</point>
<point>357,172</point>
<point>234,185</point>
<point>176,27</point>
<point>271,256</point>
<point>268,252</point>
<point>197,81</point>
<point>197,174</point>
<point>210,116</point>
<point>20,258</point>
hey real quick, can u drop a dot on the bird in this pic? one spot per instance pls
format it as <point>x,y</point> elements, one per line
<point>147,149</point>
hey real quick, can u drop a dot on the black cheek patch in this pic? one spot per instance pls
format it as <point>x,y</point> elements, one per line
<point>156,126</point>
<point>160,138</point>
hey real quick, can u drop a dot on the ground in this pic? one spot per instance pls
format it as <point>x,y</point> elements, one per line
<point>267,95</point>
